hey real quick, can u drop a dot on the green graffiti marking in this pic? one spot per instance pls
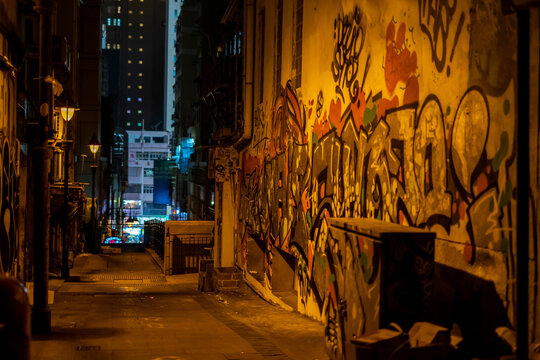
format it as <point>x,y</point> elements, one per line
<point>506,195</point>
<point>504,245</point>
<point>506,106</point>
<point>369,115</point>
<point>503,151</point>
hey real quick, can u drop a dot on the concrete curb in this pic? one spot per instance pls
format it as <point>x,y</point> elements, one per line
<point>264,293</point>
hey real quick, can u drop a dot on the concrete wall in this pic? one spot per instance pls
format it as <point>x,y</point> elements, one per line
<point>406,112</point>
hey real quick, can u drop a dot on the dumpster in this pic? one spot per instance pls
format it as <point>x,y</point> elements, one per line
<point>382,274</point>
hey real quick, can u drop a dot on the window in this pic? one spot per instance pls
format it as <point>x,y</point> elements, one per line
<point>114,22</point>
<point>133,171</point>
<point>140,49</point>
<point>139,111</point>
<point>175,12</point>
<point>118,22</point>
<point>141,24</point>
<point>140,61</point>
<point>139,99</point>
<point>129,49</point>
<point>140,86</point>
<point>129,61</point>
<point>140,74</point>
<point>129,74</point>
<point>129,24</point>
<point>118,46</point>
<point>148,172</point>
<point>128,111</point>
<point>131,12</point>
<point>109,21</point>
<point>108,46</point>
<point>142,12</point>
<point>128,99</point>
<point>139,124</point>
<point>129,86</point>
<point>148,189</point>
<point>128,123</point>
<point>140,37</point>
<point>119,9</point>
<point>129,36</point>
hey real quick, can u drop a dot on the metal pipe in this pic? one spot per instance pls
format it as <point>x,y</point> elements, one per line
<point>523,185</point>
<point>65,265</point>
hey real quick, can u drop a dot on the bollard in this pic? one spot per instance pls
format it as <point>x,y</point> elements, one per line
<point>15,335</point>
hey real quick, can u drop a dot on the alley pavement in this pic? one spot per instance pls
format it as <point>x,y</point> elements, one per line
<point>121,306</point>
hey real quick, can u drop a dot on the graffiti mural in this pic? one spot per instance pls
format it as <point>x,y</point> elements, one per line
<point>383,142</point>
<point>9,175</point>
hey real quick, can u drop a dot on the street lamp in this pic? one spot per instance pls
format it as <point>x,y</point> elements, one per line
<point>94,145</point>
<point>67,114</point>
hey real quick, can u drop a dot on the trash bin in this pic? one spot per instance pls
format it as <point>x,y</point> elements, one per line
<point>15,320</point>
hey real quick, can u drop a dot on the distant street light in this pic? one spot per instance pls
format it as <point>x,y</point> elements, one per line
<point>94,145</point>
<point>67,114</point>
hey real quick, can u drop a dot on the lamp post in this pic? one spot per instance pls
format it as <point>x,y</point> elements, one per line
<point>94,147</point>
<point>41,313</point>
<point>67,114</point>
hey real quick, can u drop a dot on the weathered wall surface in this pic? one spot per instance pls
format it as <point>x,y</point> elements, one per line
<point>406,113</point>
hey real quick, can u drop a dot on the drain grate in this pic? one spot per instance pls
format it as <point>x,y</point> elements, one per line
<point>88,348</point>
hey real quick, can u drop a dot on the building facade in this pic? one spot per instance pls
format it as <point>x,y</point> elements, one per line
<point>144,148</point>
<point>355,109</point>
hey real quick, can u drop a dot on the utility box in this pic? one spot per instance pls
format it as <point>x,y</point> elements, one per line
<point>186,243</point>
<point>382,273</point>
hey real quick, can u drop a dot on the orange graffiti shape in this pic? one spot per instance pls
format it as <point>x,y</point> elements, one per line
<point>358,108</point>
<point>306,203</point>
<point>321,127</point>
<point>400,63</point>
<point>335,115</point>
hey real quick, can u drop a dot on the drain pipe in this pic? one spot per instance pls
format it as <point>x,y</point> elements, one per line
<point>523,186</point>
<point>249,76</point>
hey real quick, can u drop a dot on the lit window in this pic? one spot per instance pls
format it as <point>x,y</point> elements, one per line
<point>118,22</point>
<point>140,86</point>
<point>114,22</point>
<point>142,12</point>
<point>128,99</point>
<point>140,37</point>
<point>129,74</point>
<point>174,73</point>
<point>129,86</point>
<point>139,111</point>
<point>129,61</point>
<point>109,21</point>
<point>139,124</point>
<point>129,24</point>
<point>118,46</point>
<point>140,61</point>
<point>139,99</point>
<point>140,74</point>
<point>128,111</point>
<point>119,9</point>
<point>128,123</point>
<point>140,49</point>
<point>108,46</point>
<point>129,49</point>
<point>131,12</point>
<point>141,24</point>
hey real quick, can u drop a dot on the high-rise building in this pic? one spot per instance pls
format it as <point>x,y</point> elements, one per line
<point>133,46</point>
<point>173,11</point>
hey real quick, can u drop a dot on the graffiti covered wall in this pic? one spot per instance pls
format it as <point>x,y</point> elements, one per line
<point>9,163</point>
<point>406,113</point>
